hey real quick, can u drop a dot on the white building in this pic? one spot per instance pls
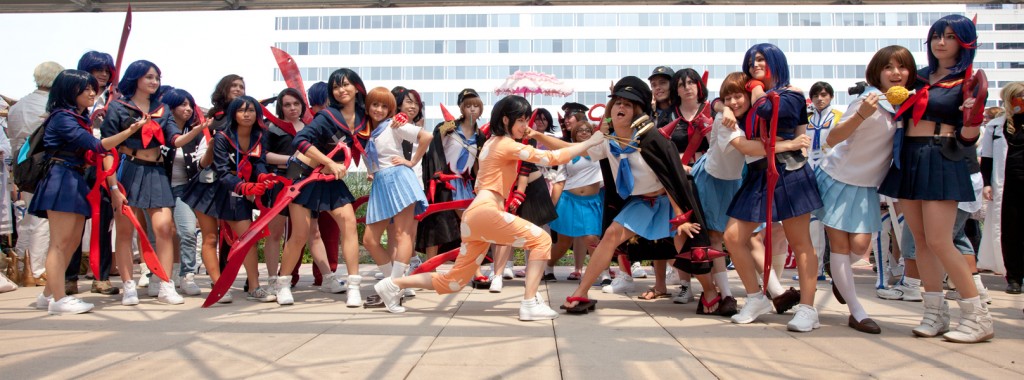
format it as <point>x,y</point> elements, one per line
<point>439,51</point>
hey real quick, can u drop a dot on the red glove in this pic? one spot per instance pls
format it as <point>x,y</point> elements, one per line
<point>251,188</point>
<point>681,219</point>
<point>753,83</point>
<point>515,200</point>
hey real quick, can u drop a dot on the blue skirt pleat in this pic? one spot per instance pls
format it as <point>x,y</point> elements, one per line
<point>393,189</point>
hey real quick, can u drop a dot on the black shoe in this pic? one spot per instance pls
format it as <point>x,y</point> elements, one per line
<point>549,277</point>
<point>1013,287</point>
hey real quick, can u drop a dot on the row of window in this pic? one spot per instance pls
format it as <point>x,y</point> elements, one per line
<point>717,45</point>
<point>496,73</point>
<point>607,20</point>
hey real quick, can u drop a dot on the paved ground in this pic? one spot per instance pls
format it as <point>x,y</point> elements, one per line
<point>475,335</point>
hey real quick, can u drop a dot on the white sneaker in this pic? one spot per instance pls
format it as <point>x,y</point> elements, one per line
<point>414,263</point>
<point>389,294</point>
<point>805,320</point>
<point>379,275</point>
<point>153,289</point>
<point>260,294</point>
<point>638,270</point>
<point>188,284</point>
<point>131,294</point>
<point>355,298</point>
<point>753,308</point>
<point>900,292</point>
<point>227,298</point>
<point>69,305</point>
<point>496,284</point>
<point>684,296</point>
<point>167,294</point>
<point>604,279</point>
<point>536,310</point>
<point>672,278</point>
<point>620,285</point>
<point>144,278</point>
<point>43,302</point>
<point>508,274</point>
<point>952,295</point>
<point>284,289</point>
<point>408,293</point>
<point>331,285</point>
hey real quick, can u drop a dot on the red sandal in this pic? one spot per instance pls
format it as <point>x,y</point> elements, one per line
<point>583,305</point>
<point>705,307</point>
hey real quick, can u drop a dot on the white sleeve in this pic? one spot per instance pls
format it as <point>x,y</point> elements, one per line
<point>408,132</point>
<point>598,152</point>
<point>988,133</point>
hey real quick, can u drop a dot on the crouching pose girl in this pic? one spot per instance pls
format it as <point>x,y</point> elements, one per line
<point>485,223</point>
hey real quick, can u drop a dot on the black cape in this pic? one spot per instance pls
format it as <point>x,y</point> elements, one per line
<point>442,228</point>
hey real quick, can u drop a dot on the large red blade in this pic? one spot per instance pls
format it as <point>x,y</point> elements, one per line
<point>292,77</point>
<point>258,229</point>
<point>772,178</point>
<point>148,254</point>
<point>444,206</point>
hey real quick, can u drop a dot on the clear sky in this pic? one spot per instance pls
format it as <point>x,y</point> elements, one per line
<point>193,49</point>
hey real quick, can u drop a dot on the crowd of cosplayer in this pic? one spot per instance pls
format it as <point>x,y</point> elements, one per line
<point>662,174</point>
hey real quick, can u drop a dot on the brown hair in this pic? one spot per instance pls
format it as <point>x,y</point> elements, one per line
<point>221,94</point>
<point>383,96</point>
<point>733,83</point>
<point>881,59</point>
<point>638,110</point>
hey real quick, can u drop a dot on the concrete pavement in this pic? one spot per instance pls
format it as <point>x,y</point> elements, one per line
<point>475,334</point>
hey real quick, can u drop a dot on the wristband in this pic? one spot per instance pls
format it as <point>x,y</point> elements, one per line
<point>753,83</point>
<point>113,187</point>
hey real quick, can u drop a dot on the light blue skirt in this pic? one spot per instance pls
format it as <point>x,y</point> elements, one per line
<point>579,215</point>
<point>393,190</point>
<point>715,196</point>
<point>849,208</point>
<point>647,220</point>
<point>463,189</point>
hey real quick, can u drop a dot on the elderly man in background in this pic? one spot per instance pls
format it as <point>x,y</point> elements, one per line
<point>25,117</point>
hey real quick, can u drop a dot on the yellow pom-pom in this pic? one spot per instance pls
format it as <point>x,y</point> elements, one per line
<point>897,95</point>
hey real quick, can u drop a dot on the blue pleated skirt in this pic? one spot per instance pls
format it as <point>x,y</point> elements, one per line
<point>579,215</point>
<point>62,189</point>
<point>647,220</point>
<point>148,186</point>
<point>926,175</point>
<point>715,195</point>
<point>393,189</point>
<point>324,196</point>
<point>849,208</point>
<point>217,200</point>
<point>463,189</point>
<point>796,193</point>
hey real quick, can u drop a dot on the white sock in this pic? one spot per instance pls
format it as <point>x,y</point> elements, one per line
<point>842,277</point>
<point>757,295</point>
<point>398,269</point>
<point>977,282</point>
<point>722,281</point>
<point>386,269</point>
<point>775,288</point>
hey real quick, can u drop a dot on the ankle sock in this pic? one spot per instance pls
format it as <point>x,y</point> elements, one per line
<point>722,281</point>
<point>842,278</point>
<point>398,269</point>
<point>775,288</point>
<point>977,282</point>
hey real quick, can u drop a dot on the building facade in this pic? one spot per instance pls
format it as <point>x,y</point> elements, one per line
<point>439,51</point>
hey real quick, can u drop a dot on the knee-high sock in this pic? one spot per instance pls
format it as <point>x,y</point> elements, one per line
<point>775,288</point>
<point>398,269</point>
<point>842,277</point>
<point>722,281</point>
<point>386,269</point>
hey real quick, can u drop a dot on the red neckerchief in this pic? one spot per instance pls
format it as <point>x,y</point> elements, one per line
<point>353,131</point>
<point>152,129</point>
<point>699,127</point>
<point>243,166</point>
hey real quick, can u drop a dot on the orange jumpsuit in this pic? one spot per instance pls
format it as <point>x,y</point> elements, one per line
<point>485,223</point>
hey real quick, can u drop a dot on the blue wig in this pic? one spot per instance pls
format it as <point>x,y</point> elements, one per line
<point>778,66</point>
<point>336,79</point>
<point>966,35</point>
<point>238,103</point>
<point>94,60</point>
<point>66,88</point>
<point>130,82</point>
<point>317,94</point>
<point>177,97</point>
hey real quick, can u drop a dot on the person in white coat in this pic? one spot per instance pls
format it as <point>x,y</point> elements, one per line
<point>993,167</point>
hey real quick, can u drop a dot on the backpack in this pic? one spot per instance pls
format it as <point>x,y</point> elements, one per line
<point>32,163</point>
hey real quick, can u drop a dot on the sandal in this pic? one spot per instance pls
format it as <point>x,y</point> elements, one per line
<point>574,276</point>
<point>481,282</point>
<point>653,294</point>
<point>583,305</point>
<point>708,307</point>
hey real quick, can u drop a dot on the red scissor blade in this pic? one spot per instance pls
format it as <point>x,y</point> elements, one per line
<point>148,254</point>
<point>444,206</point>
<point>292,76</point>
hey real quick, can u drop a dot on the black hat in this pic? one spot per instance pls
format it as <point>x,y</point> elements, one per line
<point>662,71</point>
<point>635,90</point>
<point>570,107</point>
<point>467,93</point>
